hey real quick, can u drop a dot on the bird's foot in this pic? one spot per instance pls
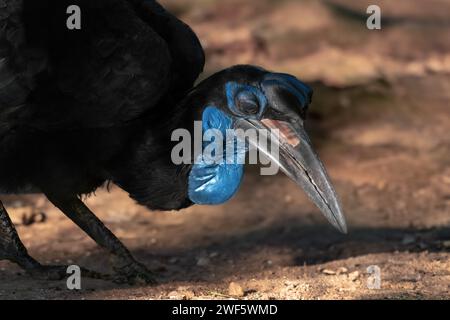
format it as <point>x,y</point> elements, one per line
<point>55,273</point>
<point>134,273</point>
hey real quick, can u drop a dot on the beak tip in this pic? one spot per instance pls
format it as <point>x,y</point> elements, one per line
<point>337,219</point>
<point>341,225</point>
<point>343,229</point>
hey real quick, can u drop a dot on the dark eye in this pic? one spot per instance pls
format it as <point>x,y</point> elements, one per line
<point>247,103</point>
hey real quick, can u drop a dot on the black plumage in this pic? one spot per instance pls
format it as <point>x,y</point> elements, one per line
<point>82,108</point>
<point>75,104</point>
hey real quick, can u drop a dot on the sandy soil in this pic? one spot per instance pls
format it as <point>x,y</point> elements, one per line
<point>380,122</point>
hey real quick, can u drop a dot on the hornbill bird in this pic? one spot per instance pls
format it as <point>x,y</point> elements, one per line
<point>84,107</point>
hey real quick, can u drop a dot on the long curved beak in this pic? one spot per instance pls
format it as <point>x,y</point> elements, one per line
<point>298,160</point>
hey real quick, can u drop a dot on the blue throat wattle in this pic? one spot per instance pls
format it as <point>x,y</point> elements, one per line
<point>216,183</point>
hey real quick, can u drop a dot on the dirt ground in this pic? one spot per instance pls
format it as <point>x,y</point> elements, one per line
<point>380,121</point>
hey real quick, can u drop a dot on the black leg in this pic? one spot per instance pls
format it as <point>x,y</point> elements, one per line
<point>127,268</point>
<point>12,249</point>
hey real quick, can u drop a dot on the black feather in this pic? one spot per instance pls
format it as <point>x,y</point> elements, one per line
<point>79,108</point>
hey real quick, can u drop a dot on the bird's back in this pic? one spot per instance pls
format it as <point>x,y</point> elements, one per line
<point>70,99</point>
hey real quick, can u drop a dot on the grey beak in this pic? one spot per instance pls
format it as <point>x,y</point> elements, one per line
<point>298,160</point>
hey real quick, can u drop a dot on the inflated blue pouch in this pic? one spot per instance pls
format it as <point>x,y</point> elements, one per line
<point>215,183</point>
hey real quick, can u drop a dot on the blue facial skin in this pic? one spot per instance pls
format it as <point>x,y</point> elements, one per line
<point>212,184</point>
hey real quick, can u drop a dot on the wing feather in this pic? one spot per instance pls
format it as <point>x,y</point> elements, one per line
<point>114,69</point>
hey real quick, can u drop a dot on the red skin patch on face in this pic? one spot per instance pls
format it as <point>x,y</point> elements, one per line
<point>286,131</point>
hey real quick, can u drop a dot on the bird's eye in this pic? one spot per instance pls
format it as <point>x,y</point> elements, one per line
<point>247,103</point>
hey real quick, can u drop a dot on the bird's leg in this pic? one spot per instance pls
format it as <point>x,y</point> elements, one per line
<point>12,249</point>
<point>126,267</point>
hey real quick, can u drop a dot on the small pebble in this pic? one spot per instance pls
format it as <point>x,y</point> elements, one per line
<point>174,295</point>
<point>328,272</point>
<point>353,276</point>
<point>189,295</point>
<point>213,254</point>
<point>342,270</point>
<point>235,290</point>
<point>184,293</point>
<point>202,262</point>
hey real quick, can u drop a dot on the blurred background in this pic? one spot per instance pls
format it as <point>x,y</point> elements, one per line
<point>380,120</point>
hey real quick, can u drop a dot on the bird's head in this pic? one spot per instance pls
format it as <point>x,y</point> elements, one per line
<point>246,97</point>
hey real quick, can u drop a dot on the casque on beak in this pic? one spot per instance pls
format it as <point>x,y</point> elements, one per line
<point>296,158</point>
